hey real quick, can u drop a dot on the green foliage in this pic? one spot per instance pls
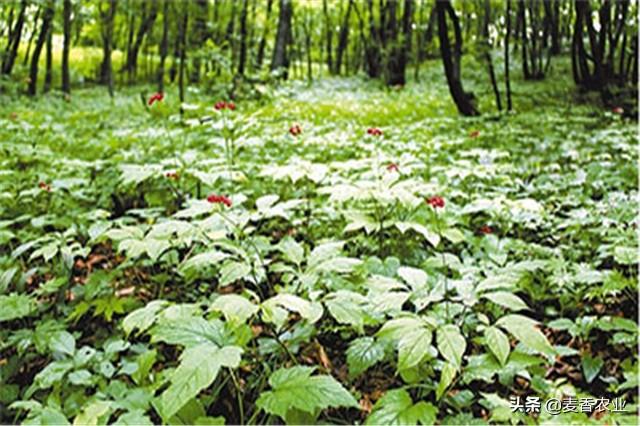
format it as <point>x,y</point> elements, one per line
<point>322,288</point>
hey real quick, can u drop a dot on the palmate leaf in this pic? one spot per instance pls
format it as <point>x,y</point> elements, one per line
<point>296,388</point>
<point>397,408</point>
<point>198,368</point>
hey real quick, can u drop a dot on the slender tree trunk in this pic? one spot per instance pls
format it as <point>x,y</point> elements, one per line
<point>306,26</point>
<point>164,45</point>
<point>108,19</point>
<point>487,54</point>
<point>32,37</point>
<point>451,57</point>
<point>145,26</point>
<point>66,46</point>
<point>199,34</point>
<point>343,38</point>
<point>265,34</point>
<point>243,37</point>
<point>507,80</point>
<point>182,30</point>
<point>11,51</point>
<point>48,62</point>
<point>328,34</point>
<point>280,60</point>
<point>47,17</point>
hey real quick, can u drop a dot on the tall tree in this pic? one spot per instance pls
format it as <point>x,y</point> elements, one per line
<point>343,38</point>
<point>487,53</point>
<point>602,66</point>
<point>13,41</point>
<point>182,36</point>
<point>198,35</point>
<point>280,59</point>
<point>47,17</point>
<point>107,18</point>
<point>243,37</point>
<point>328,35</point>
<point>451,57</point>
<point>48,71</point>
<point>34,31</point>
<point>507,36</point>
<point>148,19</point>
<point>398,41</point>
<point>66,45</point>
<point>265,33</point>
<point>164,44</point>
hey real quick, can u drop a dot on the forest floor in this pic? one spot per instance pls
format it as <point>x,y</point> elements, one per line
<point>429,267</point>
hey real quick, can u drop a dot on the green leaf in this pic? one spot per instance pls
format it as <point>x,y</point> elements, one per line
<point>188,332</point>
<point>198,368</point>
<point>416,278</point>
<point>62,341</point>
<point>498,343</point>
<point>203,260</point>
<point>396,408</point>
<point>362,353</point>
<point>413,339</point>
<point>432,237</point>
<point>347,307</point>
<point>92,413</point>
<point>15,306</point>
<point>143,318</point>
<point>292,250</point>
<point>507,300</point>
<point>133,418</point>
<point>451,344</point>
<point>52,374</point>
<point>296,388</point>
<point>274,309</point>
<point>454,235</point>
<point>234,307</point>
<point>446,378</point>
<point>524,329</point>
<point>591,367</point>
<point>233,271</point>
<point>626,255</point>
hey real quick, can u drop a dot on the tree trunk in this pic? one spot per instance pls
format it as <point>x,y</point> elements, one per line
<point>11,51</point>
<point>343,38</point>
<point>328,35</point>
<point>507,36</point>
<point>374,47</point>
<point>66,46</point>
<point>199,35</point>
<point>487,54</point>
<point>280,60</point>
<point>182,32</point>
<point>48,62</point>
<point>47,17</point>
<point>263,38</point>
<point>243,37</point>
<point>451,58</point>
<point>32,37</point>
<point>164,45</point>
<point>148,20</point>
<point>107,18</point>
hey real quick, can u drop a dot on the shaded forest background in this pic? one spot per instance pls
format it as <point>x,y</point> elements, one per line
<point>234,47</point>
